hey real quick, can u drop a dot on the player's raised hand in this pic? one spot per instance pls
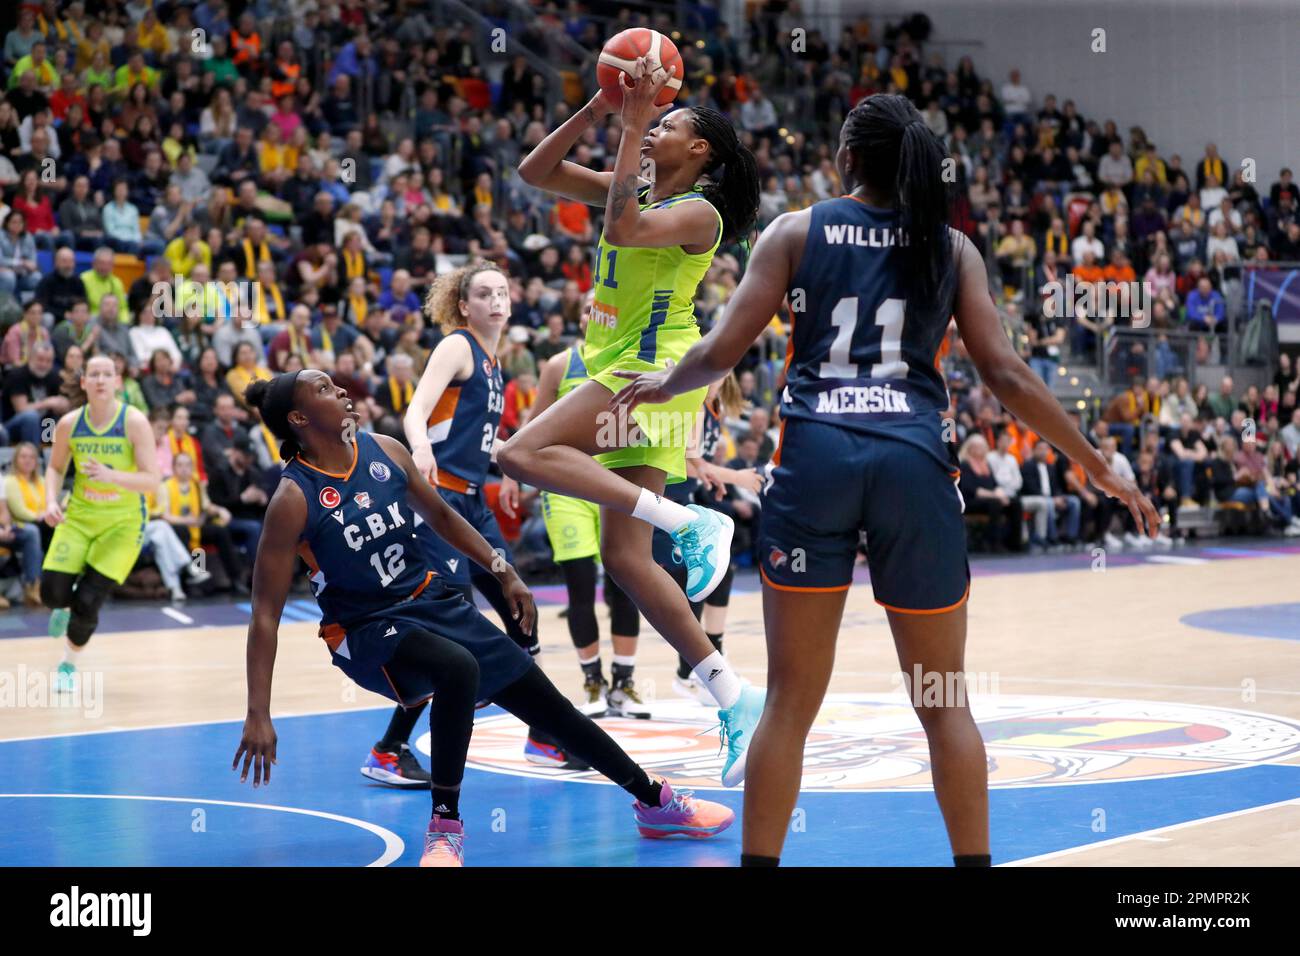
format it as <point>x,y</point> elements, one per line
<point>644,388</point>
<point>1139,505</point>
<point>257,747</point>
<point>639,96</point>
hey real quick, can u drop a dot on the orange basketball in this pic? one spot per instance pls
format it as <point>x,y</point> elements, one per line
<point>620,54</point>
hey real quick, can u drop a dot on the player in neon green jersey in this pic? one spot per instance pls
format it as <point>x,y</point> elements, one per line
<point>97,540</point>
<point>657,243</point>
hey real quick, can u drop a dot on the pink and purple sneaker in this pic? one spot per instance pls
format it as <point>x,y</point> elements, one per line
<point>680,812</point>
<point>444,843</point>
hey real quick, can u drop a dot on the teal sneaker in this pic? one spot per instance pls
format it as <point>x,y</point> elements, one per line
<point>738,723</point>
<point>59,622</point>
<point>705,544</point>
<point>65,681</point>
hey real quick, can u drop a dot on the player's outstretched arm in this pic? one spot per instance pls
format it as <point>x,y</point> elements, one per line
<point>460,534</point>
<point>277,555</point>
<point>546,168</point>
<point>1016,386</point>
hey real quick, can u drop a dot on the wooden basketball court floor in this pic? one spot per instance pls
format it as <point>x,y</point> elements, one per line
<point>1147,713</point>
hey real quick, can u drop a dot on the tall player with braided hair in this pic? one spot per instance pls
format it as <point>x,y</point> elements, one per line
<point>657,243</point>
<point>862,449</point>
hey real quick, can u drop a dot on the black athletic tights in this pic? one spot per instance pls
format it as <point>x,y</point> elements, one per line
<point>532,698</point>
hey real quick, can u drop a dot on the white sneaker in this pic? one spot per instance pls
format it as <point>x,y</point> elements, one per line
<point>1112,543</point>
<point>177,594</point>
<point>1164,541</point>
<point>690,687</point>
<point>200,577</point>
<point>624,701</point>
<point>593,697</point>
<point>1292,530</point>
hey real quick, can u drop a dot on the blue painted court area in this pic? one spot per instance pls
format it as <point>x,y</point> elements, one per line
<point>1262,620</point>
<point>85,806</point>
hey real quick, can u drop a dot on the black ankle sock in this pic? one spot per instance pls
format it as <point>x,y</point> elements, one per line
<point>446,802</point>
<point>751,859</point>
<point>400,726</point>
<point>591,671</point>
<point>973,859</point>
<point>716,641</point>
<point>683,668</point>
<point>620,673</point>
<point>649,792</point>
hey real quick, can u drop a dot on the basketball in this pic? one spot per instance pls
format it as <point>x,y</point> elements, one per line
<point>620,54</point>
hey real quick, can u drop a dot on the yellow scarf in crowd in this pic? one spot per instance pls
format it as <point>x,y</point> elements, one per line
<point>33,494</point>
<point>263,316</point>
<point>402,399</point>
<point>354,264</point>
<point>360,306</point>
<point>185,504</point>
<point>251,258</point>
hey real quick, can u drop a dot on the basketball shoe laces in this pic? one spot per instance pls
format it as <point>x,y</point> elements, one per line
<point>446,842</point>
<point>689,547</point>
<point>683,801</point>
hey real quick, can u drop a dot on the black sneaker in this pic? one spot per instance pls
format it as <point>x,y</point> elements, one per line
<point>396,769</point>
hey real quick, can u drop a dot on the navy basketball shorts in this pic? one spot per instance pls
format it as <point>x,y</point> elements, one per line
<point>452,566</point>
<point>363,650</point>
<point>829,483</point>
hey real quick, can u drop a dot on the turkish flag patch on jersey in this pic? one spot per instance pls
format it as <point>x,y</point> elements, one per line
<point>330,497</point>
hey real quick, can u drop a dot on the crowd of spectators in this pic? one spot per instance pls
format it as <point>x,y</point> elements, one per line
<point>213,192</point>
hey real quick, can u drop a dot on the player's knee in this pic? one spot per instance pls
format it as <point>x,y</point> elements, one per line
<point>512,458</point>
<point>56,589</point>
<point>457,667</point>
<point>624,565</point>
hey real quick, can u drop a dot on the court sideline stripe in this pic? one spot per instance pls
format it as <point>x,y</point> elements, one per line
<point>1294,801</point>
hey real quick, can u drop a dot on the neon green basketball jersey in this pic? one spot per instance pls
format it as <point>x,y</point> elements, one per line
<point>643,293</point>
<point>110,447</point>
<point>575,371</point>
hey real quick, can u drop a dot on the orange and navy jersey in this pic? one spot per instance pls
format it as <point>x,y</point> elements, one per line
<point>359,540</point>
<point>464,422</point>
<point>861,356</point>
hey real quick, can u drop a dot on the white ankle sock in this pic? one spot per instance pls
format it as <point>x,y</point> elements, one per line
<point>719,679</point>
<point>659,511</point>
<point>71,652</point>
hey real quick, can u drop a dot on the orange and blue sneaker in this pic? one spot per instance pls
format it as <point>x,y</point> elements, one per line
<point>680,812</point>
<point>544,750</point>
<point>396,769</point>
<point>444,843</point>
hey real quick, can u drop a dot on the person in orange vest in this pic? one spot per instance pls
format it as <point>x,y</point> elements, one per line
<point>245,41</point>
<point>284,71</point>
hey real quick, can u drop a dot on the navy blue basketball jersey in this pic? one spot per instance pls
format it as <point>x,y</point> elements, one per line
<point>711,433</point>
<point>859,357</point>
<point>359,539</point>
<point>464,422</point>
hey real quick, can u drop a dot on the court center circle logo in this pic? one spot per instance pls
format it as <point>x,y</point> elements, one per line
<point>874,742</point>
